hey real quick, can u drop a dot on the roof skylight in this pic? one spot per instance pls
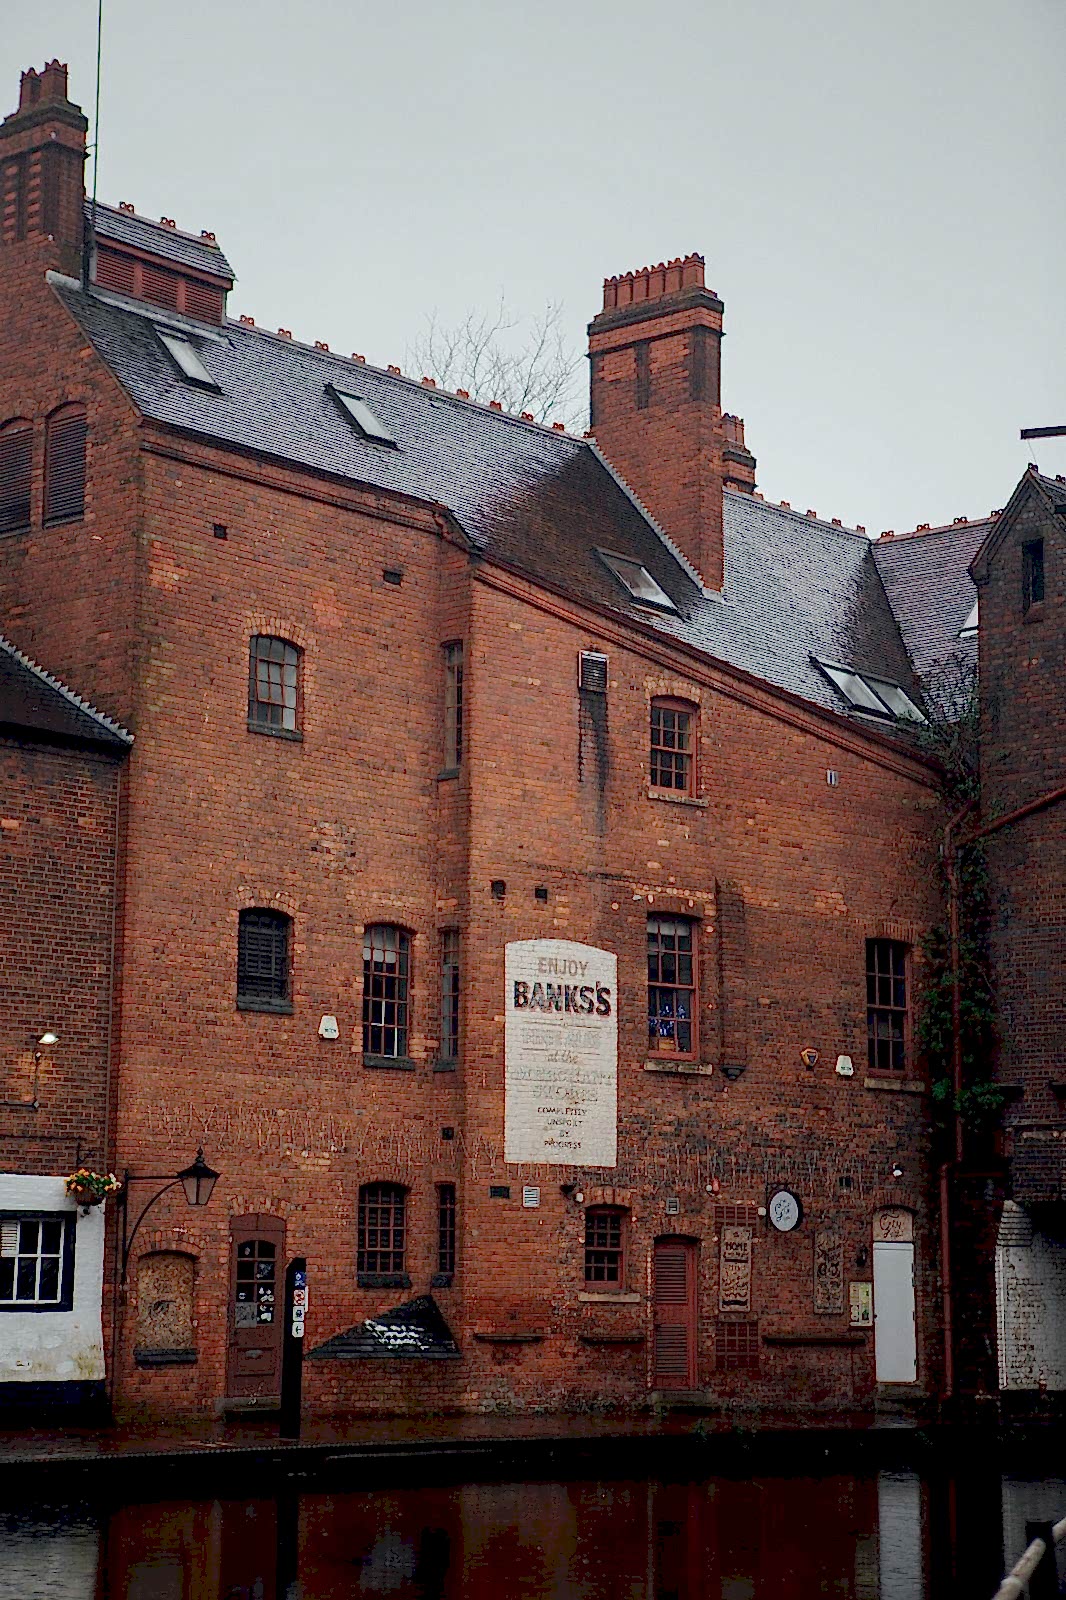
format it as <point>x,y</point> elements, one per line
<point>637,579</point>
<point>357,411</point>
<point>877,696</point>
<point>185,357</point>
<point>969,627</point>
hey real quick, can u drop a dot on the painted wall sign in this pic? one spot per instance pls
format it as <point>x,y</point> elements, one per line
<point>861,1299</point>
<point>561,1051</point>
<point>785,1210</point>
<point>734,1276</point>
<point>894,1225</point>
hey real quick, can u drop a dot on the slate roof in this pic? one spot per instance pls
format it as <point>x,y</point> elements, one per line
<point>32,701</point>
<point>184,249</point>
<point>415,1331</point>
<point>927,580</point>
<point>538,500</point>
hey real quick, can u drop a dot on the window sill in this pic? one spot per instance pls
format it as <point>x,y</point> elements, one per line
<point>610,1338</point>
<point>58,522</point>
<point>673,799</point>
<point>624,1297</point>
<point>165,1358</point>
<point>449,772</point>
<point>895,1085</point>
<point>679,1065</point>
<point>446,1064</point>
<point>383,1280</point>
<point>13,533</point>
<point>509,1338</point>
<point>396,1063</point>
<point>280,1008</point>
<point>1035,612</point>
<point>442,1280</point>
<point>292,734</point>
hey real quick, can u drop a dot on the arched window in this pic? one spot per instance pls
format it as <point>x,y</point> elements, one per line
<point>382,1242</point>
<point>264,974</point>
<point>165,1283</point>
<point>64,465</point>
<point>273,685</point>
<point>604,1247</point>
<point>386,976</point>
<point>16,474</point>
<point>672,753</point>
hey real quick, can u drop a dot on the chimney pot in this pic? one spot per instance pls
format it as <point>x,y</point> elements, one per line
<point>361,359</point>
<point>320,344</point>
<point>859,528</point>
<point>495,405</point>
<point>956,521</point>
<point>527,416</point>
<point>837,522</point>
<point>923,527</point>
<point>125,205</point>
<point>811,513</point>
<point>284,333</point>
<point>430,383</point>
<point>887,533</point>
<point>395,372</point>
<point>208,237</point>
<point>464,394</point>
<point>248,322</point>
<point>168,222</point>
<point>786,505</point>
<point>558,427</point>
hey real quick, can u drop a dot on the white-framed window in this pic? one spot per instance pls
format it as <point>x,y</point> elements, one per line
<point>37,1261</point>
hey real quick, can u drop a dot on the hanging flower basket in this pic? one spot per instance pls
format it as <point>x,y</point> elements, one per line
<point>87,1188</point>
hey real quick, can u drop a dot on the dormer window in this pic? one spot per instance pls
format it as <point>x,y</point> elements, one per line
<point>186,358</point>
<point>636,580</point>
<point>357,411</point>
<point>878,697</point>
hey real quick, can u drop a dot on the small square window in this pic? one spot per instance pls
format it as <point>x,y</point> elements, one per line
<point>637,580</point>
<point>186,358</point>
<point>604,1259</point>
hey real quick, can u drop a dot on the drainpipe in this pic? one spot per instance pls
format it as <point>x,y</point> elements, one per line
<point>950,856</point>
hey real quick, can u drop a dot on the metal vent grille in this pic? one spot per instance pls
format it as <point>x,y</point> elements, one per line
<point>64,467</point>
<point>671,1277</point>
<point>671,1350</point>
<point>16,460</point>
<point>115,271</point>
<point>737,1346</point>
<point>592,672</point>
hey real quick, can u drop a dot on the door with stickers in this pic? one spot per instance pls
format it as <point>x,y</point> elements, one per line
<point>256,1293</point>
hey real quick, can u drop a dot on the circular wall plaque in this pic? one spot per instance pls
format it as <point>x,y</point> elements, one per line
<point>784,1210</point>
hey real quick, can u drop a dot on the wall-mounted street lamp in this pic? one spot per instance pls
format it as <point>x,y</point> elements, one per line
<point>198,1180</point>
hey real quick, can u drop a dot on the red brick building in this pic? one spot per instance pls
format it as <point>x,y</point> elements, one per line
<point>1021,573</point>
<point>526,850</point>
<point>61,768</point>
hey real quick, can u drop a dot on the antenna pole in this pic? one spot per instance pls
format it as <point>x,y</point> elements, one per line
<point>96,134</point>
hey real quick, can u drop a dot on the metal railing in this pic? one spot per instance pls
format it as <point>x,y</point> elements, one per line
<point>1036,1571</point>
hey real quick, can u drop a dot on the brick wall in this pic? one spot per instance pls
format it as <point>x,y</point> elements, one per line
<point>57,886</point>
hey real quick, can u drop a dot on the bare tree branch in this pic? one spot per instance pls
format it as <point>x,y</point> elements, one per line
<point>526,367</point>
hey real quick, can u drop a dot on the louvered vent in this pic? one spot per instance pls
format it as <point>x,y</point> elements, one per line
<point>160,286</point>
<point>671,1277</point>
<point>592,672</point>
<point>64,466</point>
<point>203,300</point>
<point>16,461</point>
<point>671,1351</point>
<point>115,271</point>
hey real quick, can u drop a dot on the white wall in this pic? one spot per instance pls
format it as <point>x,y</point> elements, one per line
<point>56,1346</point>
<point>1030,1304</point>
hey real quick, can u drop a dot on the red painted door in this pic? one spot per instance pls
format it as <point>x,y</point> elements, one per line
<point>674,1314</point>
<point>257,1288</point>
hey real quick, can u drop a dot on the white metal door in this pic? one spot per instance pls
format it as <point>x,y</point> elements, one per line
<point>894,1342</point>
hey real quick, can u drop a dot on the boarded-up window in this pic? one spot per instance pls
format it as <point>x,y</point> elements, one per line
<point>64,465</point>
<point>264,979</point>
<point>165,1283</point>
<point>16,463</point>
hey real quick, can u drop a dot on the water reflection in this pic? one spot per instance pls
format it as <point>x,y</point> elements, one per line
<point>890,1536</point>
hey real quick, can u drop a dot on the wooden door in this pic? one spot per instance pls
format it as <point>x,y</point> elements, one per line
<point>256,1295</point>
<point>674,1314</point>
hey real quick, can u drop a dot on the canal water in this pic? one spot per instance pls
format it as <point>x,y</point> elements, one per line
<point>885,1536</point>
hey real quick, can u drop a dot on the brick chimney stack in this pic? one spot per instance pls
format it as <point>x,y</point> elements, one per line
<point>42,170</point>
<point>655,352</point>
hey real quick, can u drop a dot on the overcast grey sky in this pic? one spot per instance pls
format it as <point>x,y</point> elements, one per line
<point>877,186</point>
